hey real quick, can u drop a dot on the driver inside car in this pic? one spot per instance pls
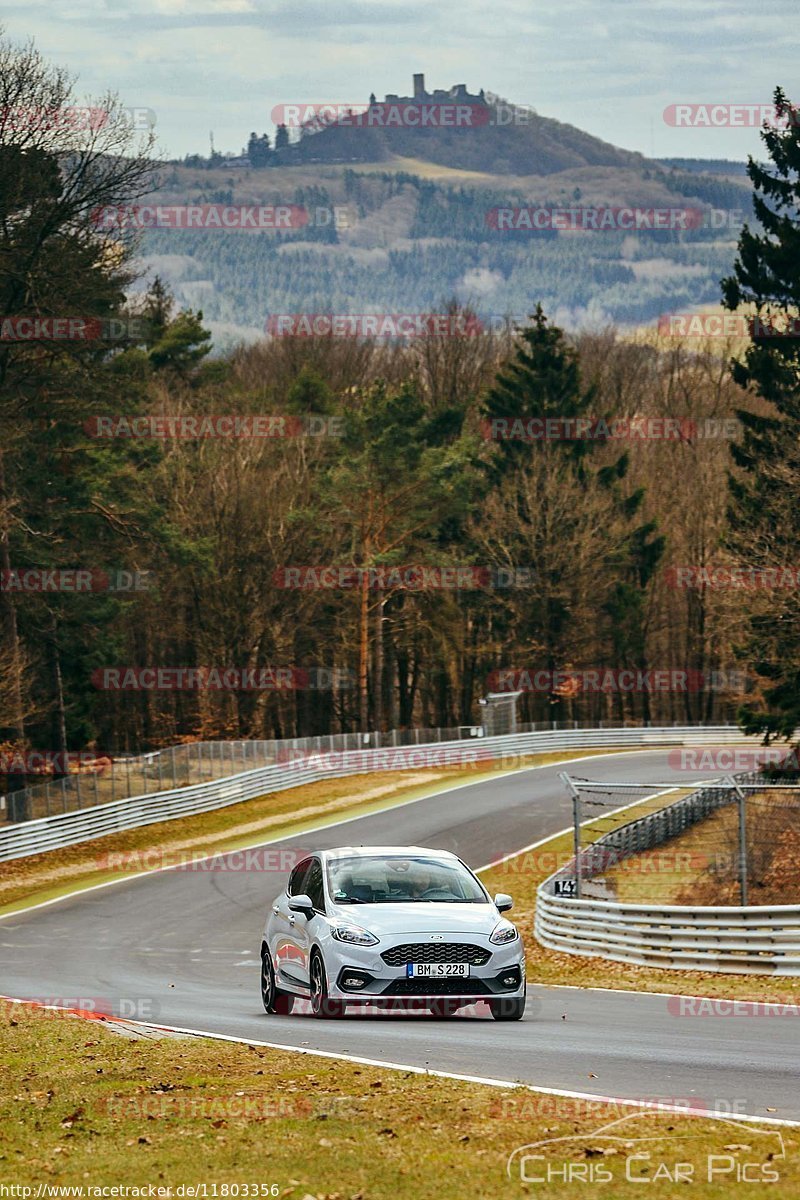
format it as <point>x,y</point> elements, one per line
<point>411,879</point>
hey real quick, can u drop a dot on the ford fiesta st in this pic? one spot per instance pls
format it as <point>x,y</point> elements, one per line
<point>390,927</point>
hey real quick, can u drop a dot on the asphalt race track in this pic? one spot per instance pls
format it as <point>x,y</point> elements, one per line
<point>180,947</point>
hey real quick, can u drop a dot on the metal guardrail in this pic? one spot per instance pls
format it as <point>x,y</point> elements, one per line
<point>67,828</point>
<point>753,940</point>
<point>103,780</point>
<point>763,939</point>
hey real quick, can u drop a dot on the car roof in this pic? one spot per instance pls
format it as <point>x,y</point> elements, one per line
<point>385,851</point>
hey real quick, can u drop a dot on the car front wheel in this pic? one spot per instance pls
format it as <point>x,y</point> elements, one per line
<point>321,1004</point>
<point>276,1002</point>
<point>509,1008</point>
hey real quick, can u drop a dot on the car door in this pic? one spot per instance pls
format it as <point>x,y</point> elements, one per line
<point>288,957</point>
<point>302,931</point>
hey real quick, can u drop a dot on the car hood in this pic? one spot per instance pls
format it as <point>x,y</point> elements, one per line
<point>391,920</point>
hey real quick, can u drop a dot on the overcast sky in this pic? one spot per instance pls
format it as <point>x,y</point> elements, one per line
<point>610,68</point>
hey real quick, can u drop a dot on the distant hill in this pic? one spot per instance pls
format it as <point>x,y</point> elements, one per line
<point>535,146</point>
<point>416,233</point>
<point>417,229</point>
<point>473,132</point>
<point>707,166</point>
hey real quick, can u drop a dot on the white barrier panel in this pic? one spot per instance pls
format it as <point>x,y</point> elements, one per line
<point>731,940</point>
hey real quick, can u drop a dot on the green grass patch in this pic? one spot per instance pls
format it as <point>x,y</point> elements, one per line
<point>81,1107</point>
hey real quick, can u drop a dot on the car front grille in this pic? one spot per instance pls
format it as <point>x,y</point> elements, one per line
<point>436,952</point>
<point>437,987</point>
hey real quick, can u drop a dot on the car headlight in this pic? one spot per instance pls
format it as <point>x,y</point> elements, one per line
<point>505,932</point>
<point>354,935</point>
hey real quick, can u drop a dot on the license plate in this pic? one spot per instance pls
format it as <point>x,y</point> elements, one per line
<point>437,970</point>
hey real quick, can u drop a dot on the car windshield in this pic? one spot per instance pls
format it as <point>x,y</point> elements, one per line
<point>391,879</point>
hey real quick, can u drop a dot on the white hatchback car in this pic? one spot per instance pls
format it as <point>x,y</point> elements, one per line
<point>393,927</point>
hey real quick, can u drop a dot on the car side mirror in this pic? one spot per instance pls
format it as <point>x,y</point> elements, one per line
<point>301,904</point>
<point>502,902</point>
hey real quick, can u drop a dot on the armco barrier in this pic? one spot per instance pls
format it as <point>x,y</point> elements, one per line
<point>92,780</point>
<point>65,829</point>
<point>727,939</point>
<point>755,940</point>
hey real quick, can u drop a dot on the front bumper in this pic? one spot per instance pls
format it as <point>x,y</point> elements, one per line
<point>503,974</point>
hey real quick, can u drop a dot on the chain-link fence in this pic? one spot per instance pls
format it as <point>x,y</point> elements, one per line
<point>735,842</point>
<point>105,780</point>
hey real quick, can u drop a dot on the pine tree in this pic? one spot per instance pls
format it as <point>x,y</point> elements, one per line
<point>258,150</point>
<point>765,490</point>
<point>175,343</point>
<point>543,382</point>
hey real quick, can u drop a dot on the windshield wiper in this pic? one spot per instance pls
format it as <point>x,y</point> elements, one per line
<point>350,900</point>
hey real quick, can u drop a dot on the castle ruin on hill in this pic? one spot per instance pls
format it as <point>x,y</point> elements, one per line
<point>458,92</point>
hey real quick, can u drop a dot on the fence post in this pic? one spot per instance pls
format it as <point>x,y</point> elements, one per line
<point>742,841</point>
<point>576,837</point>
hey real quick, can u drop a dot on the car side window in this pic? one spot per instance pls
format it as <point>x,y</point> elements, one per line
<point>296,884</point>
<point>313,886</point>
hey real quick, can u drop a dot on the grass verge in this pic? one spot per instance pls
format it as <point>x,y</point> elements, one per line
<point>83,1108</point>
<point>40,877</point>
<point>701,865</point>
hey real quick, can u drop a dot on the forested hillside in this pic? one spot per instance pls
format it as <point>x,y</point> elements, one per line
<point>403,242</point>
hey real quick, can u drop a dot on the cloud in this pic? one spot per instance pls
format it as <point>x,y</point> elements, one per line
<point>480,282</point>
<point>223,64</point>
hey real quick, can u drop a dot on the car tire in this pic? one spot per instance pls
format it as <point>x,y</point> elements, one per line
<point>321,1004</point>
<point>276,1002</point>
<point>508,1008</point>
